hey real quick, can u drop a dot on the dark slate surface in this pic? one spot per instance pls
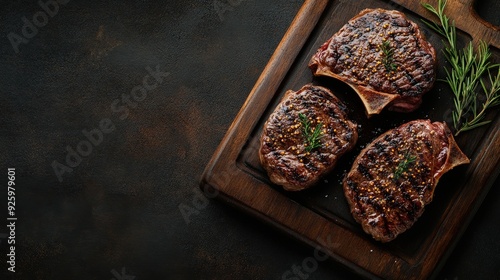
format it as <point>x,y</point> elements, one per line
<point>116,214</point>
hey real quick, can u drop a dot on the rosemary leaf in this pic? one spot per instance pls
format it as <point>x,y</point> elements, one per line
<point>404,165</point>
<point>492,99</point>
<point>465,78</point>
<point>311,136</point>
<point>388,58</point>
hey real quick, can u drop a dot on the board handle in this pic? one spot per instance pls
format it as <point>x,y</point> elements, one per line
<point>465,17</point>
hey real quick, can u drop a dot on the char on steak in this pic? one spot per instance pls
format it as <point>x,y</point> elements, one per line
<point>383,56</point>
<point>304,137</point>
<point>394,177</point>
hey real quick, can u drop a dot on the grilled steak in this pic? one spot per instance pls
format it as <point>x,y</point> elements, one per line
<point>394,177</point>
<point>383,56</point>
<point>304,137</point>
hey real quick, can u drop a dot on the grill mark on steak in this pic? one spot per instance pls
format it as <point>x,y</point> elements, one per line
<point>388,194</point>
<point>354,55</point>
<point>283,149</point>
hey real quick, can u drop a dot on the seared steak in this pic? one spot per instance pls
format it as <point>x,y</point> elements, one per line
<point>383,56</point>
<point>394,177</point>
<point>304,137</point>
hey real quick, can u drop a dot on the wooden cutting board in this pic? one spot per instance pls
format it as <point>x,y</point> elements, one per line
<point>320,216</point>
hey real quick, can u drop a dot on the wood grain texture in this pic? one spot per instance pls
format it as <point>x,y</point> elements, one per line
<point>466,19</point>
<point>320,217</point>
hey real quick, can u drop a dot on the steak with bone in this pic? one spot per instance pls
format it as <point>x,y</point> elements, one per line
<point>383,56</point>
<point>304,137</point>
<point>394,177</point>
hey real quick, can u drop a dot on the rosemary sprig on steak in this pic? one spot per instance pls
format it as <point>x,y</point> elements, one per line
<point>311,136</point>
<point>466,77</point>
<point>388,58</point>
<point>357,55</point>
<point>299,122</point>
<point>404,165</point>
<point>419,151</point>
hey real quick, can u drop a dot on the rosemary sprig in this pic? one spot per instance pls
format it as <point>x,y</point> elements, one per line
<point>312,136</point>
<point>404,165</point>
<point>492,99</point>
<point>480,68</point>
<point>468,68</point>
<point>388,58</point>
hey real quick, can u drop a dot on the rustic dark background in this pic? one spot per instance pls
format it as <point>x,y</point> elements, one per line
<point>117,213</point>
